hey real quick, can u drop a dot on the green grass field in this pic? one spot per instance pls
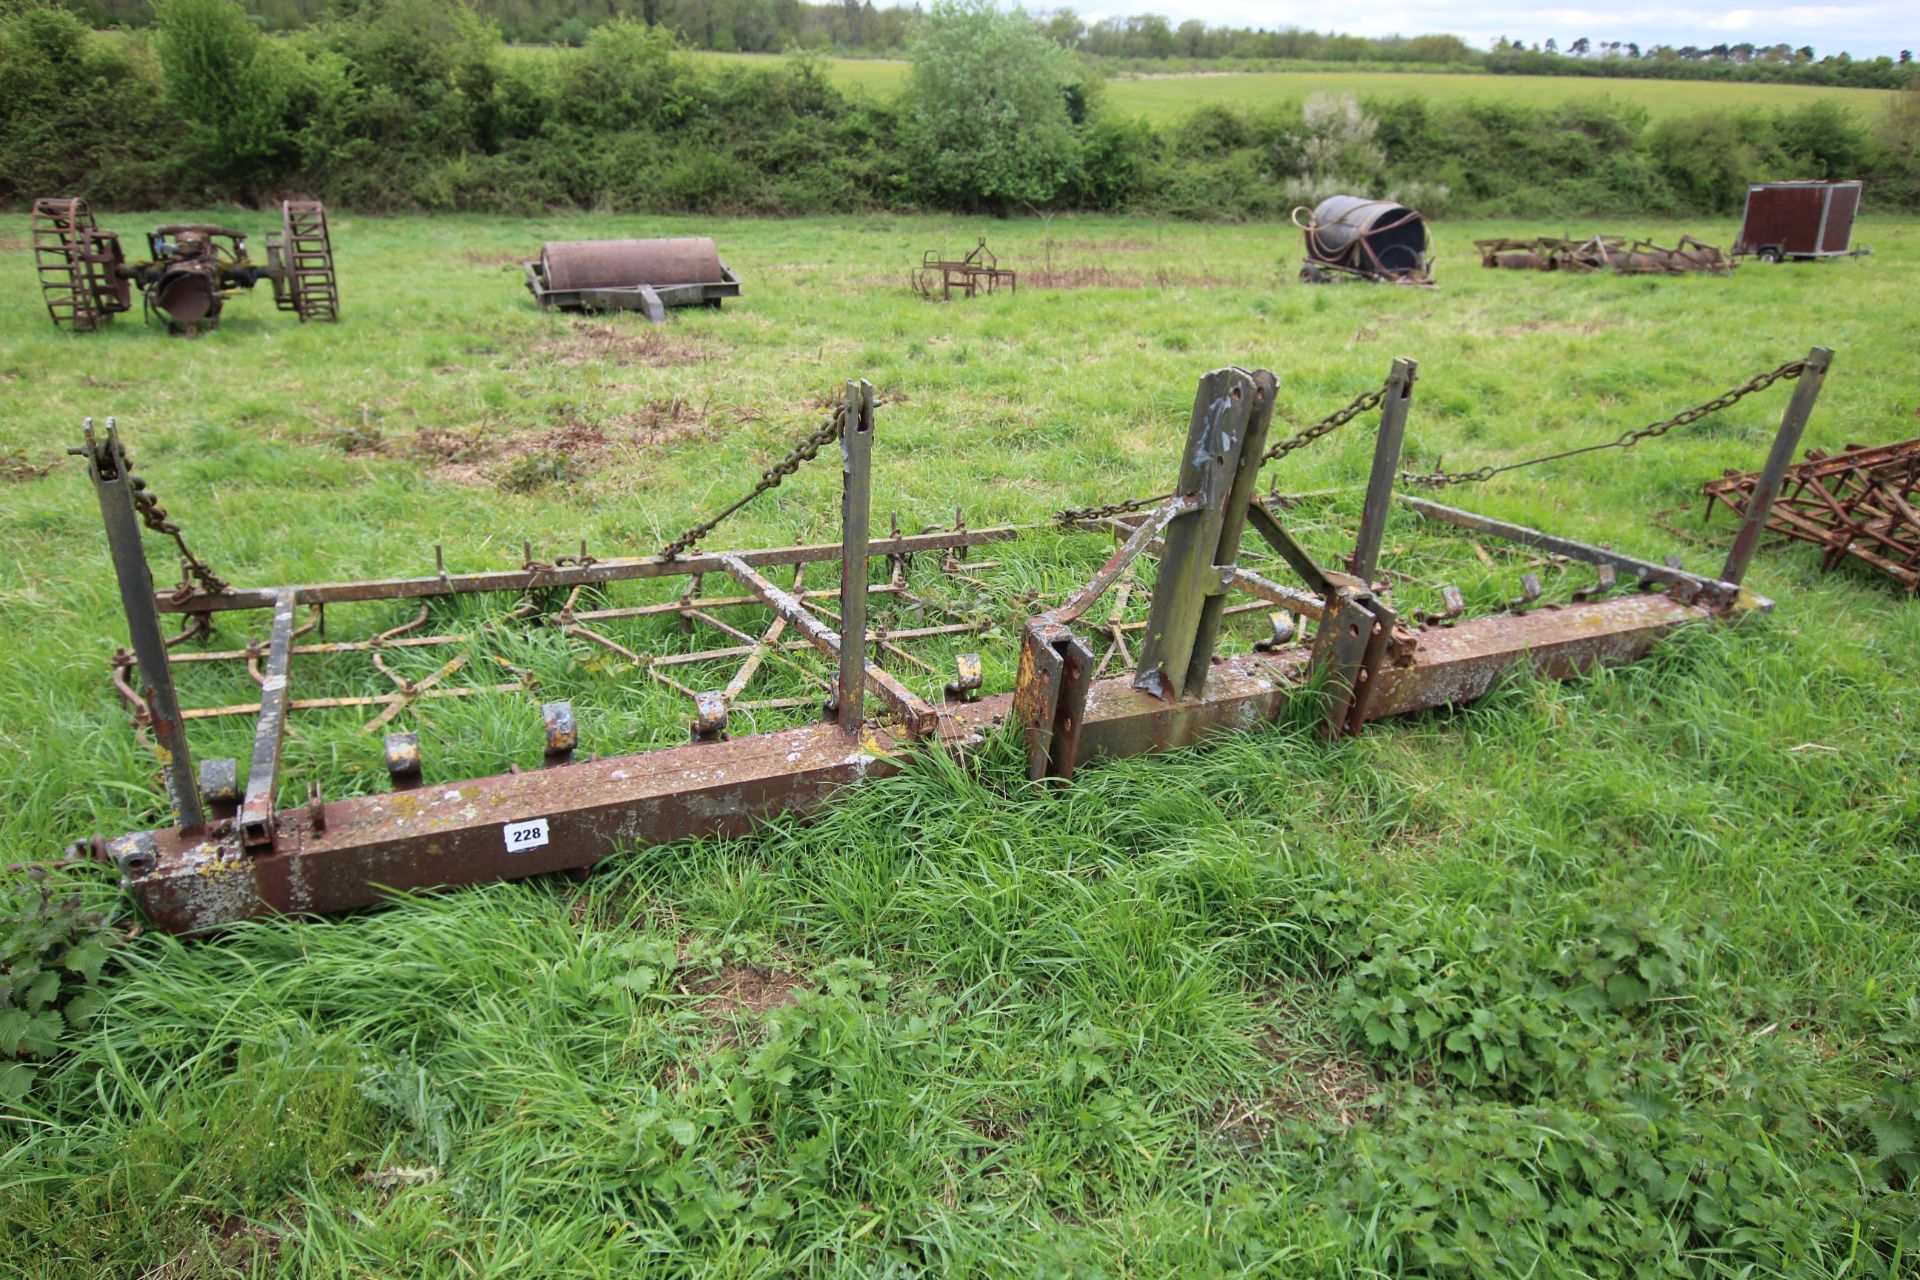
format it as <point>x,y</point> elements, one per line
<point>1167,98</point>
<point>1616,977</point>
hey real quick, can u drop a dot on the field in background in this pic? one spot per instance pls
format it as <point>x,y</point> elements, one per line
<point>1167,98</point>
<point>962,1027</point>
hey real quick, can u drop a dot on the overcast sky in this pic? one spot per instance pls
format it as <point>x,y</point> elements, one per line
<point>1863,30</point>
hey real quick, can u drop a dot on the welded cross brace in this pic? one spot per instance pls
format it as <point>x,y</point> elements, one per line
<point>1365,663</point>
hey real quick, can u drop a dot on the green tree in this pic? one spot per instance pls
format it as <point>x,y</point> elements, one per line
<point>986,109</point>
<point>58,85</point>
<point>233,88</point>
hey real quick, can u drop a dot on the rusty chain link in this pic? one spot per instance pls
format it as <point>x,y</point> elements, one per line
<point>1076,515</point>
<point>154,516</point>
<point>804,451</point>
<point>1326,426</point>
<point>1438,479</point>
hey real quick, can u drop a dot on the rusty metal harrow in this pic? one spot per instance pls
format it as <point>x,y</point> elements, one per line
<point>979,272</point>
<point>1603,253</point>
<point>871,698</point>
<point>1862,503</point>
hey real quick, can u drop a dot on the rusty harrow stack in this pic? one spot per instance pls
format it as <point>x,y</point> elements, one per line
<point>1605,253</point>
<point>1862,503</point>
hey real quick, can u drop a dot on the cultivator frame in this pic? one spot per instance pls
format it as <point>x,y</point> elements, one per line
<point>230,856</point>
<point>977,273</point>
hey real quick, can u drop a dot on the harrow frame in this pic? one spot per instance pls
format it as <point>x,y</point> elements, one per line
<point>230,855</point>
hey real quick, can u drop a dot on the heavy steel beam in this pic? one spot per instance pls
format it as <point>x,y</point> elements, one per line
<point>263,768</point>
<point>1786,442</point>
<point>115,487</point>
<point>516,825</point>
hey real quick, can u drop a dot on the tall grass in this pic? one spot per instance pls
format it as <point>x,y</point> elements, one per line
<point>1612,977</point>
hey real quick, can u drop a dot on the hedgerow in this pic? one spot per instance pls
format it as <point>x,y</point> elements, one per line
<point>413,104</point>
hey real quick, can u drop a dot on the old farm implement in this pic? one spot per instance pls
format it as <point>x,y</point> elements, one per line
<point>1086,683</point>
<point>979,272</point>
<point>1363,239</point>
<point>1605,253</point>
<point>191,271</point>
<point>1862,503</point>
<point>631,275</point>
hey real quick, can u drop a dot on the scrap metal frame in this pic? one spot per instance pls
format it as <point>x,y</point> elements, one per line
<point>1862,503</point>
<point>1599,252</point>
<point>237,858</point>
<point>979,272</point>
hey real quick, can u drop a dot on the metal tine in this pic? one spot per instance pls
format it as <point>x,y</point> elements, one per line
<point>1606,579</point>
<point>1529,592</point>
<point>1452,605</point>
<point>402,752</point>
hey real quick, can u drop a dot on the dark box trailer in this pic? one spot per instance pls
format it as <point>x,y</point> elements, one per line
<point>1799,220</point>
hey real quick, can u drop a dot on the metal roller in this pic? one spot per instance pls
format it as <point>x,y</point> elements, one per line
<point>1373,239</point>
<point>625,264</point>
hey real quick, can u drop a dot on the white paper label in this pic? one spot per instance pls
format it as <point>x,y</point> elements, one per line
<point>522,836</point>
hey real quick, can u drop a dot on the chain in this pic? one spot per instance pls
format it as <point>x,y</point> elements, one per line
<point>1077,515</point>
<point>154,516</point>
<point>802,452</point>
<point>1326,426</point>
<point>1438,479</point>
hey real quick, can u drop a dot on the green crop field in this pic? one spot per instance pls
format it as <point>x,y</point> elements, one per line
<point>1166,98</point>
<point>1613,977</point>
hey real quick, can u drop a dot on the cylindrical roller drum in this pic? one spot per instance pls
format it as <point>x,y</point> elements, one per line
<point>1396,234</point>
<point>623,264</point>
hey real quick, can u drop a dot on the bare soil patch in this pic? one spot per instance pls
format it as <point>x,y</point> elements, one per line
<point>745,989</point>
<point>610,344</point>
<point>1108,278</point>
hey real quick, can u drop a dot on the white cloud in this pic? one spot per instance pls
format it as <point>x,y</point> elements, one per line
<point>1863,30</point>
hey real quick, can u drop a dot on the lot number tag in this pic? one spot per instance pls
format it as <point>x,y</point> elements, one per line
<point>522,836</point>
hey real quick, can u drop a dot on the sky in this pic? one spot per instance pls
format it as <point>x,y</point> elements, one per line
<point>1863,30</point>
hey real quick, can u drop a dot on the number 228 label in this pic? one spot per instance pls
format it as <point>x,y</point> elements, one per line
<point>522,836</point>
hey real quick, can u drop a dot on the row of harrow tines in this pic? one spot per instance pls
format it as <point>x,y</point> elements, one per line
<point>846,632</point>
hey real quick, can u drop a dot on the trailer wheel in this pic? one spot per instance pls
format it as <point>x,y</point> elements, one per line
<point>1769,254</point>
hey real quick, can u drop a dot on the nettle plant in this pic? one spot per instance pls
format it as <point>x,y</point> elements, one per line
<point>1482,1010</point>
<point>52,948</point>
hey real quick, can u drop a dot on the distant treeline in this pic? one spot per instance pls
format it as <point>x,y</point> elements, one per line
<point>772,26</point>
<point>1768,64</point>
<point>416,104</point>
